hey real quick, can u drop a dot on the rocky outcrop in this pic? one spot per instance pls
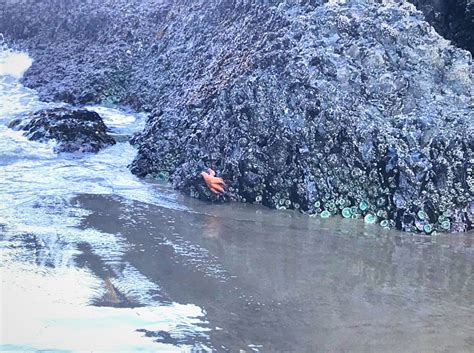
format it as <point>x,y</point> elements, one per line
<point>354,107</point>
<point>90,51</point>
<point>74,130</point>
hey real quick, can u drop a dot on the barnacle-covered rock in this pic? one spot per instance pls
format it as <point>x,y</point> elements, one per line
<point>352,107</point>
<point>74,130</point>
<point>339,105</point>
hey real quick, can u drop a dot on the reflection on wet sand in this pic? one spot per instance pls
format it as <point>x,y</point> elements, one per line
<point>55,315</point>
<point>280,281</point>
<point>68,289</point>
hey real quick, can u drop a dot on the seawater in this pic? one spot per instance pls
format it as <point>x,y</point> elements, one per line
<point>47,299</point>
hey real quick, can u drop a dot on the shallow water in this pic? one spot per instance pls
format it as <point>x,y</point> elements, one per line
<point>94,259</point>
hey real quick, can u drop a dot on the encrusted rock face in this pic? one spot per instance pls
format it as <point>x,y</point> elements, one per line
<point>353,107</point>
<point>453,19</point>
<point>357,109</point>
<point>74,130</point>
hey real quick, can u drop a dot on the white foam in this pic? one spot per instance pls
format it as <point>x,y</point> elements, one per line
<point>58,315</point>
<point>14,63</point>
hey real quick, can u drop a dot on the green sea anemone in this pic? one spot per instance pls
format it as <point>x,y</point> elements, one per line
<point>370,218</point>
<point>325,214</point>
<point>346,212</point>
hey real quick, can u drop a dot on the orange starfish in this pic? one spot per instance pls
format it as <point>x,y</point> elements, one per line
<point>213,183</point>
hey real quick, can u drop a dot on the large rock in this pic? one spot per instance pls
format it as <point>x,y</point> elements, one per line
<point>355,107</point>
<point>74,130</point>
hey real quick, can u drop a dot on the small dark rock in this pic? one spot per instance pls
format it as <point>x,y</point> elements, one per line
<point>75,130</point>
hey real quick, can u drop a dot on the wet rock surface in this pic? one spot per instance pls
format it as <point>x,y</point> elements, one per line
<point>356,108</point>
<point>74,130</point>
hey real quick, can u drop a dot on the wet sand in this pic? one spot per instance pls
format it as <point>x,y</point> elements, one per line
<point>279,281</point>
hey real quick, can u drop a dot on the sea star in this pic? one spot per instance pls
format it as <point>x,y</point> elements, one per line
<point>213,183</point>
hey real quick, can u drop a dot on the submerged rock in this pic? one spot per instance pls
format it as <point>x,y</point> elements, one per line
<point>74,130</point>
<point>354,107</point>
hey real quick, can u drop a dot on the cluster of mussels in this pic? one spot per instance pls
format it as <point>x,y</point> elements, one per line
<point>357,109</point>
